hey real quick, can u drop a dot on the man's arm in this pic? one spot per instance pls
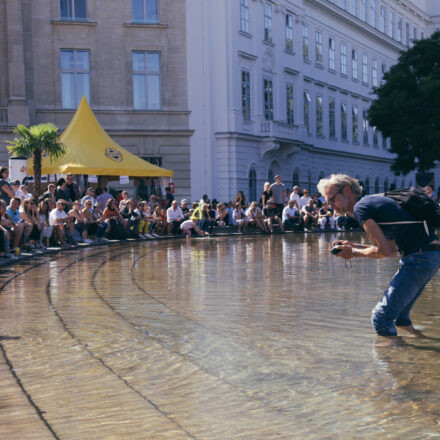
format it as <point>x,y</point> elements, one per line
<point>381,247</point>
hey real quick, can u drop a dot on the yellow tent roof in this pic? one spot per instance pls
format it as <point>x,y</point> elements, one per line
<point>92,151</point>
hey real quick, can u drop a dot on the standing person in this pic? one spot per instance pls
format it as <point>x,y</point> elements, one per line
<point>266,195</point>
<point>62,193</point>
<point>6,191</point>
<point>279,195</point>
<point>103,198</point>
<point>420,251</point>
<point>72,187</point>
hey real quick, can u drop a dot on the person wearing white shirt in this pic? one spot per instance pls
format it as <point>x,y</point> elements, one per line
<point>174,217</point>
<point>295,196</point>
<point>291,216</point>
<point>61,221</point>
<point>304,199</point>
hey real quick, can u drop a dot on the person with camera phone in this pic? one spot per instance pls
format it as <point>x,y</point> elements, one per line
<point>391,229</point>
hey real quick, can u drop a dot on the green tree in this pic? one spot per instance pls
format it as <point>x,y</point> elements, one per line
<point>407,108</point>
<point>36,141</point>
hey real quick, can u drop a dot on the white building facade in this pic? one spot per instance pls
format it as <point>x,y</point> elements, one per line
<point>283,87</point>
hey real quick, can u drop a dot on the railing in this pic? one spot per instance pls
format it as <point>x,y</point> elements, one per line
<point>267,128</point>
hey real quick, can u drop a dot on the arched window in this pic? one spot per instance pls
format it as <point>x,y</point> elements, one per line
<point>252,185</point>
<point>393,186</point>
<point>385,185</point>
<point>376,186</point>
<point>367,185</point>
<point>271,176</point>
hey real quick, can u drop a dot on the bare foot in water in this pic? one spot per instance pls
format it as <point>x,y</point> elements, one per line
<point>412,332</point>
<point>390,341</point>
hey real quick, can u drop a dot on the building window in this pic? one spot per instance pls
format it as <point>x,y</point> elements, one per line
<point>344,130</point>
<point>332,118</point>
<point>364,10</point>
<point>307,101</point>
<point>75,77</point>
<point>365,69</point>
<point>268,22</point>
<point>391,24</point>
<point>374,73</point>
<point>145,11</point>
<point>365,127</point>
<point>383,71</point>
<point>384,142</point>
<point>331,54</point>
<point>252,185</point>
<point>382,19</point>
<point>414,33</point>
<point>146,80</point>
<point>373,13</point>
<point>289,104</point>
<point>319,117</point>
<point>422,35</point>
<point>289,32</point>
<point>268,99</point>
<point>73,9</point>
<point>305,42</point>
<point>355,123</point>
<point>367,185</point>
<point>246,94</point>
<point>375,138</point>
<point>399,29</point>
<point>343,59</point>
<point>354,64</point>
<point>244,16</point>
<point>385,185</point>
<point>295,178</point>
<point>407,36</point>
<point>318,48</point>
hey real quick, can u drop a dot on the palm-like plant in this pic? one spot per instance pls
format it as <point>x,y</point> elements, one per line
<point>36,141</point>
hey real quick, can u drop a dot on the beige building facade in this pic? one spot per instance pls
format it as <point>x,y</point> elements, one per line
<point>128,57</point>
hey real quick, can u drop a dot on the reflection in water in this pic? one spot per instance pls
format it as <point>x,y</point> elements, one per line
<point>221,338</point>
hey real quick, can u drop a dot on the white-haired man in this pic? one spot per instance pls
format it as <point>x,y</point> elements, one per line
<point>420,251</point>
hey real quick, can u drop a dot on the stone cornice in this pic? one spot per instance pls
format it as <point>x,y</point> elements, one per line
<point>345,17</point>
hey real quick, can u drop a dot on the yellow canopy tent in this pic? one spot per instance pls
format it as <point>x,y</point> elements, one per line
<point>92,151</point>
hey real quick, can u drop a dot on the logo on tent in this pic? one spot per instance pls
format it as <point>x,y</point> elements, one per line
<point>113,154</point>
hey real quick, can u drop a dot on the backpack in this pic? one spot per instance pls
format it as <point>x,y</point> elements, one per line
<point>421,207</point>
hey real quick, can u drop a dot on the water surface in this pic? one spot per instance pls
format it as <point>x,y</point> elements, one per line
<point>221,338</point>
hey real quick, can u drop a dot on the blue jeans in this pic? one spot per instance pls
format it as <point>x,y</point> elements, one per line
<point>415,271</point>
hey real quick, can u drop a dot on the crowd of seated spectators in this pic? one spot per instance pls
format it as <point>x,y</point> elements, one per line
<point>62,216</point>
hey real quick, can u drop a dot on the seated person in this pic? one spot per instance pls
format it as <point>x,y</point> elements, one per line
<point>174,218</point>
<point>115,229</point>
<point>6,226</point>
<point>271,215</point>
<point>310,216</point>
<point>21,228</point>
<point>256,217</point>
<point>326,217</point>
<point>28,214</point>
<point>78,221</point>
<point>129,217</point>
<point>222,215</point>
<point>63,224</point>
<point>291,216</point>
<point>47,230</point>
<point>185,209</point>
<point>239,218</point>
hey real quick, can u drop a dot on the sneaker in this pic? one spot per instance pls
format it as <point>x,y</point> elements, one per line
<point>87,240</point>
<point>154,235</point>
<point>140,236</point>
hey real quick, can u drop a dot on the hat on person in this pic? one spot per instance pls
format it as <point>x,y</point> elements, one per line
<point>90,189</point>
<point>184,201</point>
<point>15,182</point>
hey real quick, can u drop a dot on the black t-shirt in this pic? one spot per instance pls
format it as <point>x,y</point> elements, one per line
<point>267,195</point>
<point>62,194</point>
<point>3,194</point>
<point>270,212</point>
<point>408,237</point>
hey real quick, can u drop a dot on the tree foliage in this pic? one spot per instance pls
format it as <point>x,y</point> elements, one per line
<point>36,141</point>
<point>407,108</point>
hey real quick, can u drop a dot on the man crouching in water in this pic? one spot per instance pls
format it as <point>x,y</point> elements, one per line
<point>420,252</point>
